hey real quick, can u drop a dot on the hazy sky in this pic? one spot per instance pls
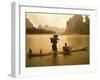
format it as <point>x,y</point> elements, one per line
<point>58,20</point>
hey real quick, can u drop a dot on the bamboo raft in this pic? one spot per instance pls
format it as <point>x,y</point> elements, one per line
<point>50,53</point>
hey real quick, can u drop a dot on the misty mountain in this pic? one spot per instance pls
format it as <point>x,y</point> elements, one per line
<point>30,29</point>
<point>76,25</point>
<point>53,28</point>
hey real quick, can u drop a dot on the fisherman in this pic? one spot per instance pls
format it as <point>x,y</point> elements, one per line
<point>54,41</point>
<point>40,51</point>
<point>66,49</point>
<point>30,52</point>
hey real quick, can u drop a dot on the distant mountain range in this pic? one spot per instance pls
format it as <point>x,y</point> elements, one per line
<point>30,29</point>
<point>75,25</point>
<point>53,28</point>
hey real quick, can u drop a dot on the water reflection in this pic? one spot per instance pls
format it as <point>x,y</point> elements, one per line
<point>37,42</point>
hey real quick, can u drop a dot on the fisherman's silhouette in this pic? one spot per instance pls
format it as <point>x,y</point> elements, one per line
<point>66,49</point>
<point>40,51</point>
<point>30,52</point>
<point>54,40</point>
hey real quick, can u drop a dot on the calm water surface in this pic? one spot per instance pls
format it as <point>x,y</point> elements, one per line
<point>37,42</point>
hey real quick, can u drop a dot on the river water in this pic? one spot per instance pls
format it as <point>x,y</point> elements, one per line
<point>37,42</point>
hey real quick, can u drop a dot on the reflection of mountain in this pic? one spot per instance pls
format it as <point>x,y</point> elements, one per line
<point>30,29</point>
<point>76,25</point>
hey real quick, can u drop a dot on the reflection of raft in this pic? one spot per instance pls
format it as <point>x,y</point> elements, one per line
<point>50,53</point>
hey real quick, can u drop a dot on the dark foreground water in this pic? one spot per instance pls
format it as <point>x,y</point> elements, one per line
<point>37,42</point>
